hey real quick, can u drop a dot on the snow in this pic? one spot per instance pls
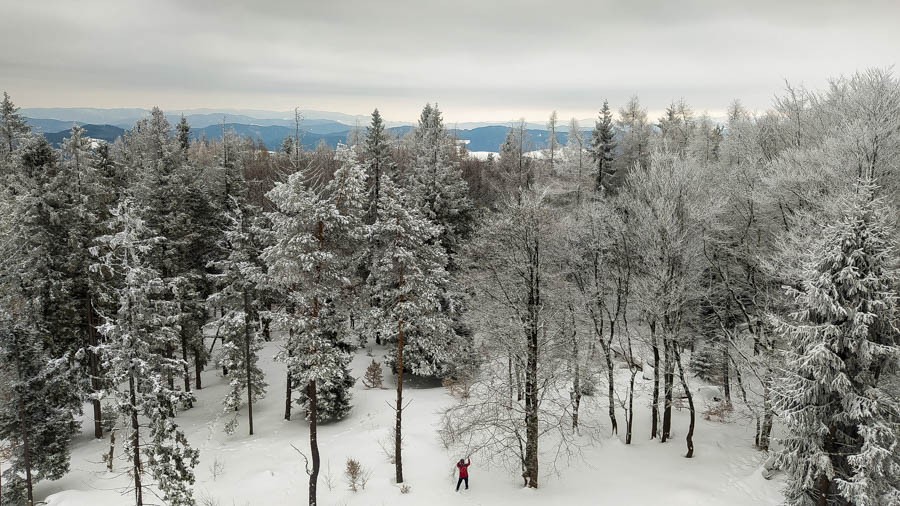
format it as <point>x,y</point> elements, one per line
<point>483,155</point>
<point>264,469</point>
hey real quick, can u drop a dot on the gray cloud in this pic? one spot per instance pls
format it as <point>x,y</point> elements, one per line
<point>479,59</point>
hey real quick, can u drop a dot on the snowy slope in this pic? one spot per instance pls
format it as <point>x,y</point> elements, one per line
<point>265,470</point>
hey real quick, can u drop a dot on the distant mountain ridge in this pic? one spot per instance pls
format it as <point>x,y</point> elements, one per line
<point>109,124</point>
<point>199,118</point>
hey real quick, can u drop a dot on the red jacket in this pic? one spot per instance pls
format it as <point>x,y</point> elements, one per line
<point>464,469</point>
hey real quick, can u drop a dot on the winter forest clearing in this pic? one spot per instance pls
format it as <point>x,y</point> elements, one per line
<point>264,469</point>
<point>669,310</point>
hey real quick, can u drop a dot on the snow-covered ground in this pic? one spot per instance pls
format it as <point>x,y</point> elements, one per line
<point>264,469</point>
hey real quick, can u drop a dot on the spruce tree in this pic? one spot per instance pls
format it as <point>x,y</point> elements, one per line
<point>184,135</point>
<point>436,184</point>
<point>436,187</point>
<point>602,148</point>
<point>407,282</point>
<point>13,127</point>
<point>36,415</point>
<point>139,336</point>
<point>378,160</point>
<point>841,443</point>
<point>85,199</point>
<point>238,276</point>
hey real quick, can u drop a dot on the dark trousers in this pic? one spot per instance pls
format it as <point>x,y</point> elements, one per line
<point>460,480</point>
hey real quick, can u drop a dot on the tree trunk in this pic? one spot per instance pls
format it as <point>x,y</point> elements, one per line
<point>610,378</point>
<point>26,452</point>
<point>531,372</point>
<point>687,392</point>
<point>287,398</point>
<point>135,444</point>
<point>287,392</point>
<point>94,365</point>
<point>187,369</point>
<point>509,364</point>
<point>576,376</point>
<point>630,415</point>
<point>668,384</point>
<point>247,364</point>
<point>170,380</point>
<point>654,424</point>
<point>531,415</point>
<point>398,433</point>
<point>313,440</point>
<point>726,375</point>
<point>198,367</point>
<point>112,450</point>
<point>765,430</point>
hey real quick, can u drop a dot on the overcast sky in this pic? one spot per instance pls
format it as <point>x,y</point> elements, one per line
<point>480,59</point>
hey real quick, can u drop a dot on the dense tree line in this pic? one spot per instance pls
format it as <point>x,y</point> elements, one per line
<point>757,254</point>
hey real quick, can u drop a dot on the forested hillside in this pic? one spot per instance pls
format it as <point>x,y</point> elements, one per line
<point>729,289</point>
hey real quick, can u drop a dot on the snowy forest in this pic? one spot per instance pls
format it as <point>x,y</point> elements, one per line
<point>680,282</point>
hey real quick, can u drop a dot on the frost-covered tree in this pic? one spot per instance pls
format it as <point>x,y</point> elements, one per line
<point>574,151</point>
<point>13,127</point>
<point>677,127</point>
<point>83,208</point>
<point>513,403</point>
<point>515,169</point>
<point>436,184</point>
<point>184,135</point>
<point>176,206</point>
<point>377,160</point>
<point>843,433</point>
<point>38,424</point>
<point>667,208</point>
<point>138,337</point>
<point>407,282</point>
<point>552,141</point>
<point>314,233</point>
<point>603,147</point>
<point>311,260</point>
<point>237,299</point>
<point>636,137</point>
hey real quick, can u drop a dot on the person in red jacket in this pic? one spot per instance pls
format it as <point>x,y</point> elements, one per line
<point>463,467</point>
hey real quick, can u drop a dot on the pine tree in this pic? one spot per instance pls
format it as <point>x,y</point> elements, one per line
<point>841,445</point>
<point>238,276</point>
<point>602,147</point>
<point>406,280</point>
<point>138,339</point>
<point>311,260</point>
